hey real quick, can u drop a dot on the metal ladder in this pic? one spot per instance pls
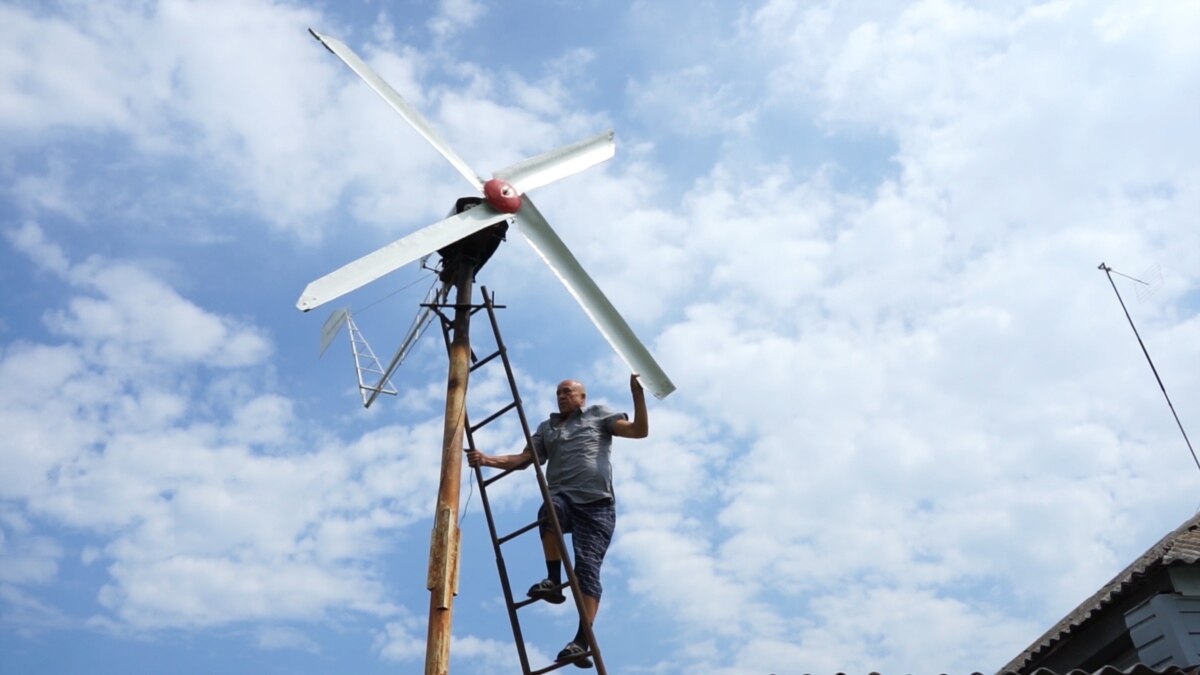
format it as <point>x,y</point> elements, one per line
<point>592,650</point>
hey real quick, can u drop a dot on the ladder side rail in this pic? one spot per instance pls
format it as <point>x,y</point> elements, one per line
<point>501,567</point>
<point>551,516</point>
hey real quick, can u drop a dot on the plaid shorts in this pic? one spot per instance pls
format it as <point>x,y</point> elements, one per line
<point>591,527</point>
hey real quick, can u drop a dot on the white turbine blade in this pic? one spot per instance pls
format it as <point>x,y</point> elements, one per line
<point>397,254</point>
<point>330,330</point>
<point>565,161</point>
<point>398,104</point>
<point>589,296</point>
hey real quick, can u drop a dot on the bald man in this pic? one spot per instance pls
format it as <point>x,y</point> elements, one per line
<point>577,443</point>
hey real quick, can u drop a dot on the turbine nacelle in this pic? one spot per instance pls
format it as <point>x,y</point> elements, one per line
<point>502,196</point>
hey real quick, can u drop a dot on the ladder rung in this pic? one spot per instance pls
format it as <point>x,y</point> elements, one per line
<point>560,664</point>
<point>493,416</point>
<point>498,476</point>
<point>564,586</point>
<point>524,603</point>
<point>523,530</point>
<point>475,366</point>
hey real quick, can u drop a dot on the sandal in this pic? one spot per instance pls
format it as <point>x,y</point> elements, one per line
<point>547,590</point>
<point>576,654</point>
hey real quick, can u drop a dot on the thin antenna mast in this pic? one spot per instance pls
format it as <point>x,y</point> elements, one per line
<point>1109,272</point>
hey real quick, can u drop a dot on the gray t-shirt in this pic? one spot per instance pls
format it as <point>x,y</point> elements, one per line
<point>578,451</point>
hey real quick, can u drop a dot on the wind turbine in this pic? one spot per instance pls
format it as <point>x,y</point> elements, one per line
<point>504,199</point>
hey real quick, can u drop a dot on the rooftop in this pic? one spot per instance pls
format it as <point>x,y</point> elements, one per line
<point>1180,546</point>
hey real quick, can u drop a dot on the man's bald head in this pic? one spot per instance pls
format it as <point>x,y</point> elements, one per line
<point>571,395</point>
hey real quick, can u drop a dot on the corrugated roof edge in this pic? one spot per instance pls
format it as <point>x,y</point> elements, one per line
<point>1181,545</point>
<point>1138,669</point>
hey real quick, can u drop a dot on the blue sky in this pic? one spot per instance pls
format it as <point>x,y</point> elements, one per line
<point>912,428</point>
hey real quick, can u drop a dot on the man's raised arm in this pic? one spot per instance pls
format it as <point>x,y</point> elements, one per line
<point>639,426</point>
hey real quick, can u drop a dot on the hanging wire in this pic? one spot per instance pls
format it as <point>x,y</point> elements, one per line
<point>467,505</point>
<point>1109,272</point>
<point>402,288</point>
<point>422,319</point>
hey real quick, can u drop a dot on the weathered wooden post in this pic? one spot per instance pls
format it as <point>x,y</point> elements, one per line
<point>446,541</point>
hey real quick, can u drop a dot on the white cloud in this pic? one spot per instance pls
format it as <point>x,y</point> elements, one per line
<point>29,240</point>
<point>929,378</point>
<point>26,558</point>
<point>455,16</point>
<point>285,127</point>
<point>286,638</point>
<point>905,400</point>
<point>195,592</point>
<point>857,630</point>
<point>27,615</point>
<point>57,74</point>
<point>49,192</point>
<point>143,311</point>
<point>213,511</point>
<point>698,102</point>
<point>401,640</point>
<point>264,420</point>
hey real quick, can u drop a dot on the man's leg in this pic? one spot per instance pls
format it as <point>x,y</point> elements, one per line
<point>547,589</point>
<point>553,557</point>
<point>590,607</point>
<point>592,533</point>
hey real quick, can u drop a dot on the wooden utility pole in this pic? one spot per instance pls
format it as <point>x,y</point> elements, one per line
<point>447,539</point>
